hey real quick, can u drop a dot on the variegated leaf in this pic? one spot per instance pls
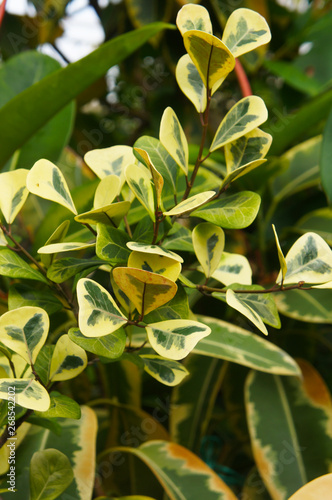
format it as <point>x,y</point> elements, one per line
<point>63,269</point>
<point>245,30</point>
<point>173,139</point>
<point>239,172</point>
<point>157,178</point>
<point>212,58</point>
<point>108,188</point>
<point>25,330</point>
<point>235,211</point>
<point>233,268</point>
<point>69,246</point>
<point>233,300</point>
<point>282,260</point>
<point>111,244</point>
<point>320,487</point>
<point>46,180</point>
<point>3,241</point>
<point>15,267</point>
<point>139,182</point>
<point>28,393</point>
<point>110,161</point>
<point>243,117</point>
<point>179,238</point>
<point>312,306</point>
<point>209,242</point>
<point>153,263</point>
<point>56,237</point>
<point>122,298</point>
<point>191,83</point>
<point>191,203</point>
<point>98,313</point>
<point>300,413</point>
<point>193,17</point>
<point>166,371</point>
<point>109,346</point>
<point>13,193</point>
<point>174,339</point>
<point>308,260</point>
<point>68,360</point>
<point>154,249</point>
<point>110,215</point>
<point>146,290</point>
<point>246,149</point>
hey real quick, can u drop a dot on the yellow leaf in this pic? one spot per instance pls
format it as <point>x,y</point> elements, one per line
<point>111,215</point>
<point>13,193</point>
<point>68,360</point>
<point>107,189</point>
<point>110,161</point>
<point>193,17</point>
<point>173,139</point>
<point>209,242</point>
<point>155,264</point>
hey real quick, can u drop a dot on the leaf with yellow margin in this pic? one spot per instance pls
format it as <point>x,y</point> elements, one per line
<point>191,83</point>
<point>191,203</point>
<point>110,215</point>
<point>13,193</point>
<point>173,139</point>
<point>209,242</point>
<point>157,178</point>
<point>320,487</point>
<point>68,360</point>
<point>110,161</point>
<point>155,264</point>
<point>166,371</point>
<point>193,17</point>
<point>139,182</point>
<point>28,393</point>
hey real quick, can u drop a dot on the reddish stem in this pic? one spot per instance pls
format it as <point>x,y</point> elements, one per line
<point>242,79</point>
<point>2,10</point>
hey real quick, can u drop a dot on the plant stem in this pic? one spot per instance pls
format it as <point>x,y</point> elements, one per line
<point>242,79</point>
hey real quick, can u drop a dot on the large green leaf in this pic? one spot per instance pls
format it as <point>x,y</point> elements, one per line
<point>325,159</point>
<point>319,221</point>
<point>61,406</point>
<point>50,474</point>
<point>13,266</point>
<point>300,414</point>
<point>312,306</point>
<point>36,105</point>
<point>109,346</point>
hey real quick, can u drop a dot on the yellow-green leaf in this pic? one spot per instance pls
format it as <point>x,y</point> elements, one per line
<point>56,237</point>
<point>166,371</point>
<point>50,474</point>
<point>233,268</point>
<point>308,260</point>
<point>246,149</point>
<point>111,244</point>
<point>70,246</point>
<point>68,360</point>
<point>109,346</point>
<point>154,249</point>
<point>28,393</point>
<point>191,203</point>
<point>242,118</point>
<point>140,183</point>
<point>174,339</point>
<point>111,214</point>
<point>213,60</point>
<point>46,180</point>
<point>13,193</point>
<point>25,330</point>
<point>234,300</point>
<point>157,178</point>
<point>191,83</point>
<point>3,241</point>
<point>245,30</point>
<point>320,487</point>
<point>146,290</point>
<point>282,260</point>
<point>98,313</point>
<point>155,264</point>
<point>15,267</point>
<point>107,189</point>
<point>110,161</point>
<point>193,17</point>
<point>173,139</point>
<point>121,297</point>
<point>209,242</point>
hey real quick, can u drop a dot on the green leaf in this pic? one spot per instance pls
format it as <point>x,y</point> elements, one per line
<point>319,222</point>
<point>294,76</point>
<point>209,242</point>
<point>174,339</point>
<point>56,237</point>
<point>312,306</point>
<point>154,249</point>
<point>166,371</point>
<point>246,115</point>
<point>308,260</point>
<point>233,268</point>
<point>98,313</point>
<point>139,182</point>
<point>193,17</point>
<point>25,330</point>
<point>23,295</point>
<point>179,238</point>
<point>109,346</point>
<point>300,417</point>
<point>325,159</point>
<point>63,269</point>
<point>173,139</point>
<point>69,246</point>
<point>177,308</point>
<point>43,363</point>
<point>191,203</point>
<point>111,244</point>
<point>50,474</point>
<point>245,30</point>
<point>47,181</point>
<point>191,83</point>
<point>13,193</point>
<point>282,260</point>
<point>36,105</point>
<point>234,211</point>
<point>61,406</point>
<point>28,393</point>
<point>110,214</point>
<point>68,360</point>
<point>13,266</point>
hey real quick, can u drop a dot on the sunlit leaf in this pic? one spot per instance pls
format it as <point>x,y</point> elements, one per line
<point>15,267</point>
<point>191,83</point>
<point>158,264</point>
<point>157,178</point>
<point>50,474</point>
<point>193,17</point>
<point>173,138</point>
<point>166,371</point>
<point>109,346</point>
<point>3,241</point>
<point>69,246</point>
<point>46,180</point>
<point>61,406</point>
<point>107,189</point>
<point>68,360</point>
<point>110,161</point>
<point>191,203</point>
<point>234,300</point>
<point>233,268</point>
<point>317,488</point>
<point>282,260</point>
<point>154,249</point>
<point>56,237</point>
<point>28,393</point>
<point>209,242</point>
<point>13,193</point>
<point>139,182</point>
<point>111,215</point>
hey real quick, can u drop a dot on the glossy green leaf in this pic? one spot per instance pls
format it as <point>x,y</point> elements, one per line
<point>166,371</point>
<point>15,267</point>
<point>319,221</point>
<point>212,58</point>
<point>191,203</point>
<point>282,260</point>
<point>232,343</point>
<point>155,264</point>
<point>193,17</point>
<point>69,246</point>
<point>25,330</point>
<point>63,269</point>
<point>191,83</point>
<point>145,289</point>
<point>325,159</point>
<point>234,211</point>
<point>61,406</point>
<point>108,188</point>
<point>56,237</point>
<point>174,339</point>
<point>154,249</point>
<point>312,306</point>
<point>98,313</point>
<point>246,115</point>
<point>28,393</point>
<point>39,103</point>
<point>294,76</point>
<point>50,474</point>
<point>13,193</point>
<point>233,268</point>
<point>139,182</point>
<point>239,172</point>
<point>21,295</point>
<point>179,238</point>
<point>68,360</point>
<point>308,260</point>
<point>47,181</point>
<point>109,346</point>
<point>245,30</point>
<point>209,242</point>
<point>111,244</point>
<point>317,488</point>
<point>173,139</point>
<point>300,413</point>
<point>111,214</point>
<point>157,178</point>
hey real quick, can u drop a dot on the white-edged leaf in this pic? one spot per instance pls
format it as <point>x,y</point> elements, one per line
<point>191,83</point>
<point>13,193</point>
<point>193,17</point>
<point>234,300</point>
<point>173,139</point>
<point>28,393</point>
<point>68,360</point>
<point>191,203</point>
<point>166,371</point>
<point>233,268</point>
<point>110,161</point>
<point>139,182</point>
<point>209,241</point>
<point>69,246</point>
<point>154,249</point>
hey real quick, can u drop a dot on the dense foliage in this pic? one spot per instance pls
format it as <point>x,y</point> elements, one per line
<point>148,246</point>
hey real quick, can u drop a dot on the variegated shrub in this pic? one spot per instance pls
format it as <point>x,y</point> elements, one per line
<point>152,242</point>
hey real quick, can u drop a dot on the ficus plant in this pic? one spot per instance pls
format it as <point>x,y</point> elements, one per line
<point>152,242</point>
